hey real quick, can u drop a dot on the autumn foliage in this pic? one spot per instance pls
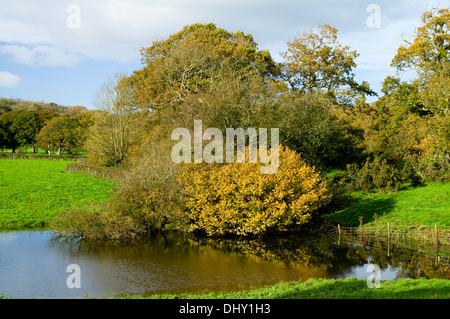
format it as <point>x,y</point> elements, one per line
<point>324,119</point>
<point>238,199</point>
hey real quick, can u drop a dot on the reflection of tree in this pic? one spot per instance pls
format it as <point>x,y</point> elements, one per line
<point>411,263</point>
<point>306,251</point>
<point>315,255</point>
<point>321,250</point>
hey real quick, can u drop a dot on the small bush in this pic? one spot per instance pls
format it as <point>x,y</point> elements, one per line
<point>96,224</point>
<point>380,173</point>
<point>238,199</point>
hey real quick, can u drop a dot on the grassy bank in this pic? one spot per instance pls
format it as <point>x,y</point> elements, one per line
<point>427,205</point>
<point>33,191</point>
<point>350,288</point>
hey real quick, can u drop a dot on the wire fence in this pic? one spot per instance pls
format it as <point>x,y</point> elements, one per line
<point>417,236</point>
<point>431,256</point>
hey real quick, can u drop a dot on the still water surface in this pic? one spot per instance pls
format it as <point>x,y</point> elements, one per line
<point>32,265</point>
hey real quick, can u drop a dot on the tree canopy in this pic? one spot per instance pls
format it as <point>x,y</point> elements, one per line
<point>429,55</point>
<point>315,60</point>
<point>200,57</point>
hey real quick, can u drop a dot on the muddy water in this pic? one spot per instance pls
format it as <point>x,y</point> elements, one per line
<point>32,265</point>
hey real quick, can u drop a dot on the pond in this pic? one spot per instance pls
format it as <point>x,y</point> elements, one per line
<point>33,265</point>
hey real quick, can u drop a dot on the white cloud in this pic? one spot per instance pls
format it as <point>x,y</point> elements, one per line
<point>40,55</point>
<point>116,30</point>
<point>22,31</point>
<point>8,79</point>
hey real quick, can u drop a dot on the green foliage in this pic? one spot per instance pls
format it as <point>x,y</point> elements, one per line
<point>401,95</point>
<point>207,73</point>
<point>380,173</point>
<point>399,133</point>
<point>307,126</point>
<point>64,133</point>
<point>436,95</point>
<point>10,126</point>
<point>21,127</point>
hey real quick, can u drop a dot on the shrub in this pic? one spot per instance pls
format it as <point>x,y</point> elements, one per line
<point>151,193</point>
<point>238,199</point>
<point>148,200</point>
<point>380,173</point>
<point>96,224</point>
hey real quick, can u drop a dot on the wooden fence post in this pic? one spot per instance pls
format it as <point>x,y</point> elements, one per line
<point>437,233</point>
<point>388,232</point>
<point>339,231</point>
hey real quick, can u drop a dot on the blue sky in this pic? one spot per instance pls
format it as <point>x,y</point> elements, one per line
<point>62,51</point>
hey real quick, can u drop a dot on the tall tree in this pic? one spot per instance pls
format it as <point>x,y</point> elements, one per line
<point>62,133</point>
<point>21,128</point>
<point>430,49</point>
<point>116,123</point>
<point>429,55</point>
<point>316,61</point>
<point>201,57</point>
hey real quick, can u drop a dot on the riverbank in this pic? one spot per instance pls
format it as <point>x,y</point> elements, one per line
<point>349,288</point>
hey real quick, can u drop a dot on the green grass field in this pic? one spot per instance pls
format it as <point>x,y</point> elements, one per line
<point>349,288</point>
<point>427,205</point>
<point>33,191</point>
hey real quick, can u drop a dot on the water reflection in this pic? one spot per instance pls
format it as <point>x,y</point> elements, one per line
<point>32,265</point>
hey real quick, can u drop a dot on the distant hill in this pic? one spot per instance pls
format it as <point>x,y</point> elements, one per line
<point>7,105</point>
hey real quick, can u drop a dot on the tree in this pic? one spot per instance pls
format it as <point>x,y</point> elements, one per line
<point>117,123</point>
<point>435,96</point>
<point>4,134</point>
<point>5,106</point>
<point>62,133</point>
<point>7,139</point>
<point>430,49</point>
<point>20,128</point>
<point>316,61</point>
<point>429,55</point>
<point>308,126</point>
<point>201,57</point>
<point>78,109</point>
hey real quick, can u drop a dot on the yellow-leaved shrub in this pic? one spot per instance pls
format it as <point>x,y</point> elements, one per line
<point>237,199</point>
